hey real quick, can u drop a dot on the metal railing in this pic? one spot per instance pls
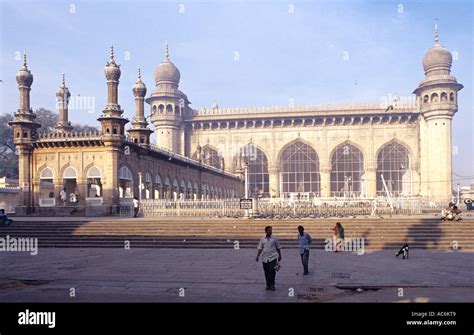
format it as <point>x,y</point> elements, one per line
<point>220,208</point>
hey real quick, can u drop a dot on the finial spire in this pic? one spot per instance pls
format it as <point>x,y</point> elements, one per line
<point>167,51</point>
<point>25,64</point>
<point>436,33</point>
<point>63,82</point>
<point>139,73</point>
<point>112,52</point>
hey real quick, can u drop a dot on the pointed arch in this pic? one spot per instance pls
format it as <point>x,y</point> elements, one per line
<point>347,170</point>
<point>46,173</point>
<point>210,156</point>
<point>257,160</point>
<point>394,164</point>
<point>299,168</point>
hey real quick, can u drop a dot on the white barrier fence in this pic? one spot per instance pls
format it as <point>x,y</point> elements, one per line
<point>339,206</point>
<point>276,206</point>
<point>224,207</point>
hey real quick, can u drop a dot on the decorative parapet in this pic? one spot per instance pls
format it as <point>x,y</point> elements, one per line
<point>398,106</point>
<point>83,138</point>
<point>73,134</point>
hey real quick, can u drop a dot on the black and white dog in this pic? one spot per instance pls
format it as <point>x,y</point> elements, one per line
<point>403,251</point>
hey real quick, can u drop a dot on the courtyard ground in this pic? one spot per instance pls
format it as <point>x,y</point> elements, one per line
<point>232,275</point>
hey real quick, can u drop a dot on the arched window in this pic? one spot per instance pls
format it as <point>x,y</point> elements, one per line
<point>46,188</point>
<point>426,98</point>
<point>94,183</point>
<point>161,109</point>
<point>69,186</point>
<point>434,97</point>
<point>209,156</point>
<point>125,182</point>
<point>299,167</point>
<point>147,186</point>
<point>158,187</point>
<point>451,96</point>
<point>154,110</point>
<point>393,162</point>
<point>175,189</point>
<point>347,169</point>
<point>169,109</point>
<point>257,169</point>
<point>444,97</point>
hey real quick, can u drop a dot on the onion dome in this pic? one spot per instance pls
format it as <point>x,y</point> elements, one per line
<point>112,70</point>
<point>139,89</point>
<point>167,72</point>
<point>438,59</point>
<point>24,76</point>
<point>63,91</point>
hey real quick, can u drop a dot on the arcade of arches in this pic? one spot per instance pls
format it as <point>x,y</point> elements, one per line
<point>299,171</point>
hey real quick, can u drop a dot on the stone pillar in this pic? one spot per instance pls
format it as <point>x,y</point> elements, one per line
<point>110,186</point>
<point>325,182</point>
<point>274,180</point>
<point>81,191</point>
<point>24,173</point>
<point>370,182</point>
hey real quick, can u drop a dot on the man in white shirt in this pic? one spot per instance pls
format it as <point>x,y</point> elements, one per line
<point>269,248</point>
<point>136,207</point>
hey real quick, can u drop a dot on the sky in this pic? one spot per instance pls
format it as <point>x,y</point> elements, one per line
<point>239,53</point>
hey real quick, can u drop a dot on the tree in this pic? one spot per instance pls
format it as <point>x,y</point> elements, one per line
<point>47,119</point>
<point>8,156</point>
<point>84,128</point>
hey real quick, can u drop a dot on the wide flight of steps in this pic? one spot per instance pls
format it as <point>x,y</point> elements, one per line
<point>387,233</point>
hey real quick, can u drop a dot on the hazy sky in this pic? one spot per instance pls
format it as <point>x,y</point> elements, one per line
<point>286,50</point>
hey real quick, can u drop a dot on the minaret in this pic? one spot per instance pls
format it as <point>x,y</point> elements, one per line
<point>112,122</point>
<point>24,134</point>
<point>63,125</point>
<point>437,99</point>
<point>139,132</point>
<point>112,133</point>
<point>169,107</point>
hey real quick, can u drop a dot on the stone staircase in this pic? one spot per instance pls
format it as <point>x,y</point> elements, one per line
<point>387,233</point>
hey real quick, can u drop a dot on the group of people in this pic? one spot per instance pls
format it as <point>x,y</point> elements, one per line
<point>451,213</point>
<point>270,250</point>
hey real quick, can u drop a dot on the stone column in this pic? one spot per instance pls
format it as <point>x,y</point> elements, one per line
<point>371,182</point>
<point>325,182</point>
<point>274,180</point>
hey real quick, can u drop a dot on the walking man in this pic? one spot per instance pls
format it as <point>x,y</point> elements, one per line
<point>136,207</point>
<point>269,248</point>
<point>305,241</point>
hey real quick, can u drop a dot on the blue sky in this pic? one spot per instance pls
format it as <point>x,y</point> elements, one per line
<point>284,52</point>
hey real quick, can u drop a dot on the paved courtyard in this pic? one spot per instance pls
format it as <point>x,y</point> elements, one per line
<point>228,275</point>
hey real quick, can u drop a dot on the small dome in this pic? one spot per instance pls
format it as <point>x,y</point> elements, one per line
<point>24,76</point>
<point>63,91</point>
<point>139,89</point>
<point>167,72</point>
<point>112,70</point>
<point>437,58</point>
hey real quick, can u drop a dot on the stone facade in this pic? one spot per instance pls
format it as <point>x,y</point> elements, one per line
<point>67,172</point>
<point>401,148</point>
